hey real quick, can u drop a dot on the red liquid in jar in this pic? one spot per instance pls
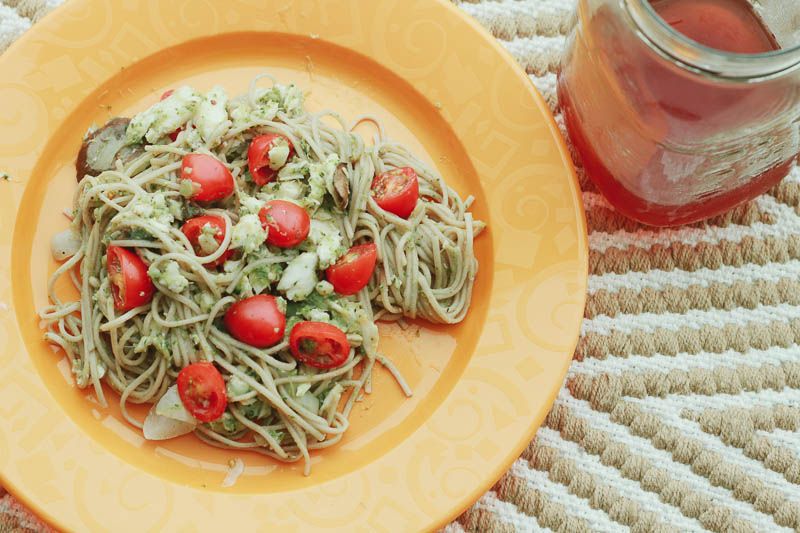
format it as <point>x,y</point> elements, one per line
<point>728,25</point>
<point>623,106</point>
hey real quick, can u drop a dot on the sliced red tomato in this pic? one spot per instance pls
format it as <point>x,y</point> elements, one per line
<point>193,228</point>
<point>214,178</point>
<point>256,321</point>
<point>167,94</point>
<point>352,271</point>
<point>397,191</point>
<point>287,223</point>
<point>202,391</point>
<point>258,156</point>
<point>130,285</point>
<point>319,344</point>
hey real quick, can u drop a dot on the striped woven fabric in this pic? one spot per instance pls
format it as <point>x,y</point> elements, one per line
<point>681,411</point>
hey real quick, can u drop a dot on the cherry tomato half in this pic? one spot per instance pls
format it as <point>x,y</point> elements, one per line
<point>352,271</point>
<point>214,178</point>
<point>127,274</point>
<point>319,344</point>
<point>287,223</point>
<point>202,391</point>
<point>258,157</point>
<point>193,228</point>
<point>397,191</point>
<point>256,321</point>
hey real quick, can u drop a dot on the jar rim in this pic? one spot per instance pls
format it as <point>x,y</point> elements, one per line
<point>705,60</point>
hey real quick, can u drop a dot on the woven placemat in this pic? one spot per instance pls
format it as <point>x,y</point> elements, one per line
<point>681,411</point>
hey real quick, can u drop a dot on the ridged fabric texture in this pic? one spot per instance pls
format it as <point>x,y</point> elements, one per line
<point>681,411</point>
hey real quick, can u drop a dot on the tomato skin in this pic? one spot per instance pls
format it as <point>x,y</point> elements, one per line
<point>287,223</point>
<point>214,178</point>
<point>193,228</point>
<point>258,157</point>
<point>397,191</point>
<point>319,344</point>
<point>256,321</point>
<point>202,391</point>
<point>130,285</point>
<point>353,270</point>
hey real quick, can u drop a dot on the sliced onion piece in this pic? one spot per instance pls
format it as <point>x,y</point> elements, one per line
<point>157,427</point>
<point>236,469</point>
<point>171,406</point>
<point>168,418</point>
<point>310,402</point>
<point>65,244</point>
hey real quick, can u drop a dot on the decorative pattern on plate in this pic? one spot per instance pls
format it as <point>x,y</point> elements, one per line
<point>591,469</point>
<point>681,411</point>
<point>533,281</point>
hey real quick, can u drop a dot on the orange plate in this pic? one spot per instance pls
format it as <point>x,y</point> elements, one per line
<point>439,84</point>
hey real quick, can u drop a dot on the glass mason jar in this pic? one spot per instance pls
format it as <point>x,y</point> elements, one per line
<point>672,131</point>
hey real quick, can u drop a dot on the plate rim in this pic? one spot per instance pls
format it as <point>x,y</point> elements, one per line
<point>53,19</point>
